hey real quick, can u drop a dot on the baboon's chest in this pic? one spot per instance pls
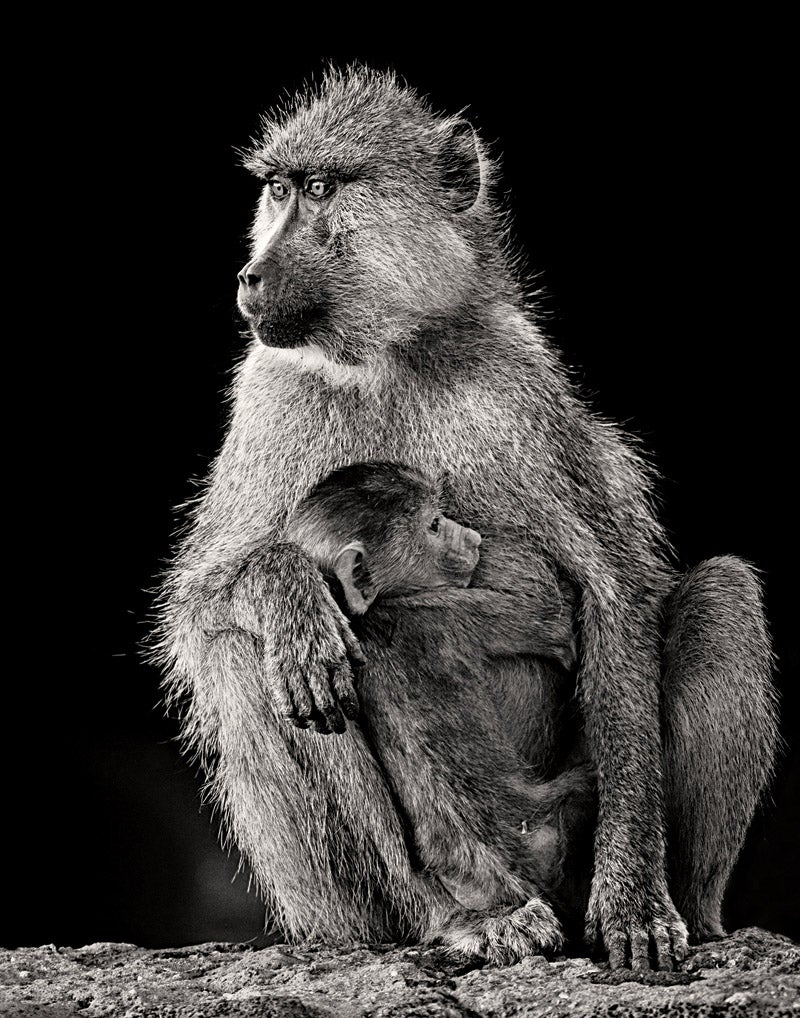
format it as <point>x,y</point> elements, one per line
<point>308,428</point>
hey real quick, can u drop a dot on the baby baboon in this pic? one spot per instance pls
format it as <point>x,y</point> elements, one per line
<point>377,531</point>
<point>388,324</point>
<point>476,820</point>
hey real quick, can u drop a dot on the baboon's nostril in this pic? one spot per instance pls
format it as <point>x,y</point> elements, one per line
<point>249,276</point>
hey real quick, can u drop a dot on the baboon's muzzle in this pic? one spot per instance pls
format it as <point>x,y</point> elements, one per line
<point>272,311</point>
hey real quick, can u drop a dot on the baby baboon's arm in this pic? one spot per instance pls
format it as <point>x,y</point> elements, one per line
<point>535,607</point>
<point>537,618</point>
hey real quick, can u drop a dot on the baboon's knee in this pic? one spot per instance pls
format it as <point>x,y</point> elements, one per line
<point>716,608</point>
<point>718,666</point>
<point>722,581</point>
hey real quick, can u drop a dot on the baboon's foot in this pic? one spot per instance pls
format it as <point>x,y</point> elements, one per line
<point>702,916</point>
<point>502,935</point>
<point>703,930</point>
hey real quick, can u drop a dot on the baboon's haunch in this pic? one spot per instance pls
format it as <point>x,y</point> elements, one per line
<point>388,324</point>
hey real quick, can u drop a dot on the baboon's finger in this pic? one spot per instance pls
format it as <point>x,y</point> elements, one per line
<point>680,943</point>
<point>290,697</point>
<point>661,939</point>
<point>281,698</point>
<point>616,943</point>
<point>302,704</point>
<point>319,723</point>
<point>321,692</point>
<point>640,950</point>
<point>319,682</point>
<point>334,717</point>
<point>344,691</point>
<point>353,647</point>
<point>288,689</point>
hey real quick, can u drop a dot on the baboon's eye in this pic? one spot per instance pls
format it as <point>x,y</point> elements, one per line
<point>278,188</point>
<point>317,188</point>
<point>434,527</point>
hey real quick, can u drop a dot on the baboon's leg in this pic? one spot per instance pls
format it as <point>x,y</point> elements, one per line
<point>554,853</point>
<point>493,835</point>
<point>720,730</point>
<point>312,815</point>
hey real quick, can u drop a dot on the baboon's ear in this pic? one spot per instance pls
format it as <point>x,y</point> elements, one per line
<point>459,164</point>
<point>350,567</point>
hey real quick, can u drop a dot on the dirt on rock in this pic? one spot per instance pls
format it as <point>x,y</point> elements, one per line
<point>752,972</point>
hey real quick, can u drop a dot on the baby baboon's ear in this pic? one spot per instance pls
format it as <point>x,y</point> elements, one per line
<point>352,573</point>
<point>459,164</point>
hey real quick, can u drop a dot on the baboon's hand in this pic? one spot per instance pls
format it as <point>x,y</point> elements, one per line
<point>311,653</point>
<point>649,931</point>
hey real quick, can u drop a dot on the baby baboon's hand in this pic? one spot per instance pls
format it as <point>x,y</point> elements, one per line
<point>310,651</point>
<point>566,653</point>
<point>636,937</point>
<point>564,626</point>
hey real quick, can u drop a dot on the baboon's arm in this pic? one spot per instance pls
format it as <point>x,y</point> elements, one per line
<point>278,596</point>
<point>630,904</point>
<point>630,909</point>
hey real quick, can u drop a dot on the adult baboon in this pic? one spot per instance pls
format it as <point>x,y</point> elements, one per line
<point>388,324</point>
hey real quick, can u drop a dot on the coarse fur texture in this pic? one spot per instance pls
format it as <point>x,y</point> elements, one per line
<point>389,324</point>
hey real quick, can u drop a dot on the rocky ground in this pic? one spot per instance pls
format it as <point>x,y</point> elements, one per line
<point>750,973</point>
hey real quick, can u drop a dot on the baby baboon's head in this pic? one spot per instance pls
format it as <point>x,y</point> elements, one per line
<point>378,529</point>
<point>374,221</point>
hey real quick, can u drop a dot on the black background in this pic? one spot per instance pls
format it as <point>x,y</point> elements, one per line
<point>650,189</point>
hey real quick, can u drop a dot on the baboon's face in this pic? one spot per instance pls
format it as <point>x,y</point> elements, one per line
<point>358,235</point>
<point>425,552</point>
<point>284,290</point>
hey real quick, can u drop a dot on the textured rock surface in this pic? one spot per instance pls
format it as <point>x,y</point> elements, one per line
<point>751,972</point>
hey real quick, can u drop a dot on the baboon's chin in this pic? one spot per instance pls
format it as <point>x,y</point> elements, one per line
<point>287,331</point>
<point>269,335</point>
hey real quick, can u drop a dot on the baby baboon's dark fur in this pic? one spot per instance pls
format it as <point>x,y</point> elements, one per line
<point>389,325</point>
<point>477,820</point>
